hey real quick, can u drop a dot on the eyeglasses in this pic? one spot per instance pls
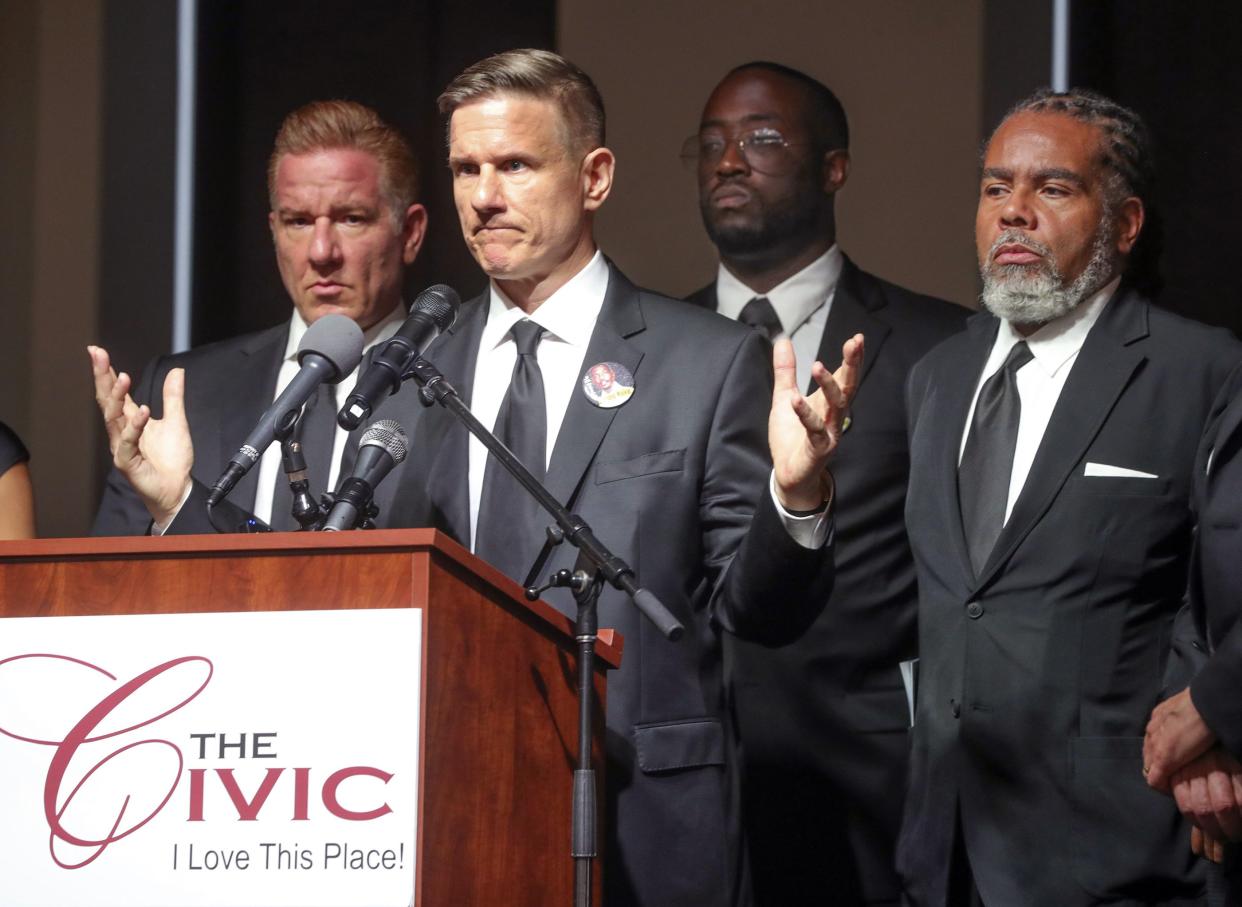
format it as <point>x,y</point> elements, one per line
<point>764,150</point>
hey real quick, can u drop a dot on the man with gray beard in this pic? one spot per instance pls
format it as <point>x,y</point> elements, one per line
<point>1052,453</point>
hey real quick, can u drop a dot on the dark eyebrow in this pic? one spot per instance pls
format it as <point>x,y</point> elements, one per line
<point>1041,176</point>
<point>749,118</point>
<point>1059,173</point>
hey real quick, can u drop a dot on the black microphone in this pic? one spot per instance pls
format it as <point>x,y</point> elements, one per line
<point>330,350</point>
<point>433,311</point>
<point>381,447</point>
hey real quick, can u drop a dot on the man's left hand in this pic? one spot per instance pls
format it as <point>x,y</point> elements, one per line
<point>1176,734</point>
<point>1208,791</point>
<point>804,431</point>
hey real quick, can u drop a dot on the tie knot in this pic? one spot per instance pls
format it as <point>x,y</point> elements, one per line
<point>526,335</point>
<point>1019,356</point>
<point>759,314</point>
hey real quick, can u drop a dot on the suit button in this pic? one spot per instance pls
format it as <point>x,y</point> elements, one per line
<point>974,610</point>
<point>956,707</point>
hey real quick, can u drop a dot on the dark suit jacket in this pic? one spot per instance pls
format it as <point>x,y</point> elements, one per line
<point>1207,644</point>
<point>1038,676</point>
<point>1216,577</point>
<point>823,720</point>
<point>670,482</point>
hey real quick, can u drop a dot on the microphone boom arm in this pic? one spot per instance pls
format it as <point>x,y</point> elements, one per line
<point>616,572</point>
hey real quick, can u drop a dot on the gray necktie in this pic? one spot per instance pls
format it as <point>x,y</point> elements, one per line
<point>759,314</point>
<point>510,527</point>
<point>983,477</point>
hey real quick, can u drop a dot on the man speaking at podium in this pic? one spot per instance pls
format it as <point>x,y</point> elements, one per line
<point>642,415</point>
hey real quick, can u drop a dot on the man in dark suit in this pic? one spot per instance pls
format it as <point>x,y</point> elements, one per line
<point>673,475</point>
<point>345,223</point>
<point>823,720</point>
<point>1052,448</point>
<point>1193,745</point>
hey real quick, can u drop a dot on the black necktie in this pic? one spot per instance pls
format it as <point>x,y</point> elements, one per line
<point>987,461</point>
<point>316,431</point>
<point>509,527</point>
<point>759,314</point>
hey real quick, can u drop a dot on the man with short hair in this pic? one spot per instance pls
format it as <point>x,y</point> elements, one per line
<point>345,223</point>
<point>674,476</point>
<point>823,721</point>
<point>1052,450</point>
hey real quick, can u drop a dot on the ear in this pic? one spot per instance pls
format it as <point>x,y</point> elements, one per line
<point>1130,216</point>
<point>413,229</point>
<point>836,170</point>
<point>597,170</point>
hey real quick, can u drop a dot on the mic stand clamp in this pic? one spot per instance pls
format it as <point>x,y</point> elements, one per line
<point>586,581</point>
<point>366,515</point>
<point>307,513</point>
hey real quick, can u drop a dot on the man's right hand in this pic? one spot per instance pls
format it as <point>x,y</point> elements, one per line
<point>154,455</point>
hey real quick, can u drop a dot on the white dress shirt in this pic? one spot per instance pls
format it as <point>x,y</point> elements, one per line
<point>1055,348</point>
<point>568,316</point>
<point>802,303</point>
<point>269,462</point>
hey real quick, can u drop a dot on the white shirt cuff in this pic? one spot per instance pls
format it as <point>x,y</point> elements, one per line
<point>158,529</point>
<point>808,531</point>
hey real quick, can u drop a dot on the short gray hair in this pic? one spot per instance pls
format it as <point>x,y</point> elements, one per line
<point>537,74</point>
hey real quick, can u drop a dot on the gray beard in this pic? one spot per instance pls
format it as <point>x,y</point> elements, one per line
<point>1024,295</point>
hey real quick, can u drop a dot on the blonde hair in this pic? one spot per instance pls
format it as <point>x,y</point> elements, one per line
<point>328,125</point>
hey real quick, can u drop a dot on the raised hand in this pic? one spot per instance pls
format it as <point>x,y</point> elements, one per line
<point>154,455</point>
<point>803,431</point>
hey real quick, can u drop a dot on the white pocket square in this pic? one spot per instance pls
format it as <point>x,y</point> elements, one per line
<point>1103,469</point>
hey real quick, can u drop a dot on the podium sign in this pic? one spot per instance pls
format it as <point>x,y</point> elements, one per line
<point>179,760</point>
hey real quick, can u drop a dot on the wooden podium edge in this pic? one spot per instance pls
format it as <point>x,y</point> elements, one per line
<point>609,648</point>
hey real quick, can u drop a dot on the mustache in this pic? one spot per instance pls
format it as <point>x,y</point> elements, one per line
<point>1018,238</point>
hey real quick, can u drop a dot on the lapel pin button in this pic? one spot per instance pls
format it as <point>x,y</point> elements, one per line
<point>608,384</point>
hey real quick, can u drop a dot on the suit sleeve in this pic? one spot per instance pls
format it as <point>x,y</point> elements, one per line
<point>1217,691</point>
<point>770,588</point>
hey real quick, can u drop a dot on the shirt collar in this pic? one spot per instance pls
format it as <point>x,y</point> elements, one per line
<point>377,333</point>
<point>568,315</point>
<point>795,299</point>
<point>1058,341</point>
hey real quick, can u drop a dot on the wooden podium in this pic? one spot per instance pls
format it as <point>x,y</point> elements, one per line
<point>498,715</point>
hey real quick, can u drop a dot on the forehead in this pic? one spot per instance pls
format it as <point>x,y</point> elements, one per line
<point>505,124</point>
<point>755,95</point>
<point>336,172</point>
<point>1043,141</point>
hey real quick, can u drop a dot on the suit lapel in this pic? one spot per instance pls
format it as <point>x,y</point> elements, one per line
<point>258,367</point>
<point>585,424</point>
<point>1103,368</point>
<point>455,356</point>
<point>853,306</point>
<point>1225,437</point>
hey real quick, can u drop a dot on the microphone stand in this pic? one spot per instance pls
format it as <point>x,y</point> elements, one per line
<point>309,515</point>
<point>595,565</point>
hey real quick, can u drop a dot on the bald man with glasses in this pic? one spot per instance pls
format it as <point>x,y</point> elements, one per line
<point>824,720</point>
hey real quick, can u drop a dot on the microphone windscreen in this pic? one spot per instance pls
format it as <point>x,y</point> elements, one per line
<point>440,302</point>
<point>338,339</point>
<point>388,434</point>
